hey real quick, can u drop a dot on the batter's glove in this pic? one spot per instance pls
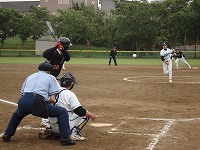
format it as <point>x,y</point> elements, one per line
<point>59,46</point>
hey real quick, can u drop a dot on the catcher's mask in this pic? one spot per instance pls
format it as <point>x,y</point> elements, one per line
<point>45,67</point>
<point>65,42</point>
<point>67,79</point>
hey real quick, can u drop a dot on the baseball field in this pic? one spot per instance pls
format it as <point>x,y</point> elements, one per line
<point>136,107</point>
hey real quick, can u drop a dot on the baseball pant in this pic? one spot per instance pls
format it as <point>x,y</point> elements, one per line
<point>167,69</point>
<point>25,105</point>
<point>183,60</point>
<point>74,121</point>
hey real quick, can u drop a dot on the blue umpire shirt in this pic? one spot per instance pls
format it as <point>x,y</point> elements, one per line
<point>40,83</point>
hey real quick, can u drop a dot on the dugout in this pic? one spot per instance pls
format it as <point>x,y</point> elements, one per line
<point>42,45</point>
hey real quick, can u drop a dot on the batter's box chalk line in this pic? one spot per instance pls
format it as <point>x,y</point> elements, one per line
<point>154,137</point>
<point>138,79</point>
<point>26,127</point>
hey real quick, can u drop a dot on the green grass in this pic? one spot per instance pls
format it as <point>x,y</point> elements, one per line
<point>93,61</point>
<point>15,43</point>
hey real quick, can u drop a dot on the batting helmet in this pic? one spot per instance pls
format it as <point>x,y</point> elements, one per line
<point>45,67</point>
<point>65,42</point>
<point>67,79</point>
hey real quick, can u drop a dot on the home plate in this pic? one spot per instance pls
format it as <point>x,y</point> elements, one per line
<point>195,67</point>
<point>101,124</point>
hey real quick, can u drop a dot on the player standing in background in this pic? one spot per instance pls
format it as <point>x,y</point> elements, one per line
<point>180,57</point>
<point>78,116</point>
<point>166,55</point>
<point>58,55</point>
<point>113,54</point>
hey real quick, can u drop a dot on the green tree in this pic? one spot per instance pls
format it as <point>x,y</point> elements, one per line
<point>27,27</point>
<point>39,15</point>
<point>9,23</point>
<point>137,25</point>
<point>82,24</point>
<point>32,24</point>
<point>173,19</point>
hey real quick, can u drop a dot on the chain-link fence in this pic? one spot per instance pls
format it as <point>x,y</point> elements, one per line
<point>94,53</point>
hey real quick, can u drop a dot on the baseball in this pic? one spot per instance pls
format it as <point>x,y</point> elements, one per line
<point>134,55</point>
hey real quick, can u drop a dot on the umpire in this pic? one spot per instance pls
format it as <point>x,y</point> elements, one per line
<point>39,89</point>
<point>113,54</point>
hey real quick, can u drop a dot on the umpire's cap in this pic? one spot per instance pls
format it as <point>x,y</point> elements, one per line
<point>67,79</point>
<point>45,67</point>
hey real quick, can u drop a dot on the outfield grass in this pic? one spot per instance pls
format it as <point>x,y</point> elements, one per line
<point>92,61</point>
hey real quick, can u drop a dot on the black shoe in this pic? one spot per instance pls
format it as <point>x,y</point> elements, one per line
<point>6,138</point>
<point>67,142</point>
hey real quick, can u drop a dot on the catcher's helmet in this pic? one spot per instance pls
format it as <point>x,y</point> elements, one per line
<point>67,79</point>
<point>45,67</point>
<point>65,42</point>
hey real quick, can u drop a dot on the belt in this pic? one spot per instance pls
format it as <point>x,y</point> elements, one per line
<point>34,94</point>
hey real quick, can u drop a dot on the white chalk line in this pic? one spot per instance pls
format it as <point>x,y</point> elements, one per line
<point>26,127</point>
<point>164,119</point>
<point>136,79</point>
<point>155,137</point>
<point>5,101</point>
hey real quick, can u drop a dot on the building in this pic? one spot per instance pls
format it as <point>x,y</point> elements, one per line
<point>22,5</point>
<point>108,5</point>
<point>54,5</point>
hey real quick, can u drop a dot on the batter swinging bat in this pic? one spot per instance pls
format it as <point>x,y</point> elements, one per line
<point>51,30</point>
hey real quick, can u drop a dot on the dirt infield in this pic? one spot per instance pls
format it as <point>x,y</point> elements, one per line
<point>146,112</point>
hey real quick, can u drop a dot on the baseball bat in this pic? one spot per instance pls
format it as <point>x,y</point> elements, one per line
<point>51,30</point>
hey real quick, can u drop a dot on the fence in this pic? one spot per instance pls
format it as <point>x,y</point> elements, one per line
<point>94,53</point>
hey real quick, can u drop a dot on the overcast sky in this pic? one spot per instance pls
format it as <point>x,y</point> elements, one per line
<point>39,0</point>
<point>16,0</point>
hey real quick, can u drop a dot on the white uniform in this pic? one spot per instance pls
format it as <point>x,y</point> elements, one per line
<point>167,68</point>
<point>69,101</point>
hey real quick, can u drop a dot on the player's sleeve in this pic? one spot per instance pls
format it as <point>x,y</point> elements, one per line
<point>162,58</point>
<point>162,55</point>
<point>67,55</point>
<point>73,100</point>
<point>80,111</point>
<point>76,106</point>
<point>22,89</point>
<point>48,54</point>
<point>53,87</point>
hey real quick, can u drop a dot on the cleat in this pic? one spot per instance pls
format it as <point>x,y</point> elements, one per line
<point>67,142</point>
<point>6,138</point>
<point>45,125</point>
<point>170,81</point>
<point>77,137</point>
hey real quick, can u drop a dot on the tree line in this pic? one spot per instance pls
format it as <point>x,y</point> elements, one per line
<point>131,26</point>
